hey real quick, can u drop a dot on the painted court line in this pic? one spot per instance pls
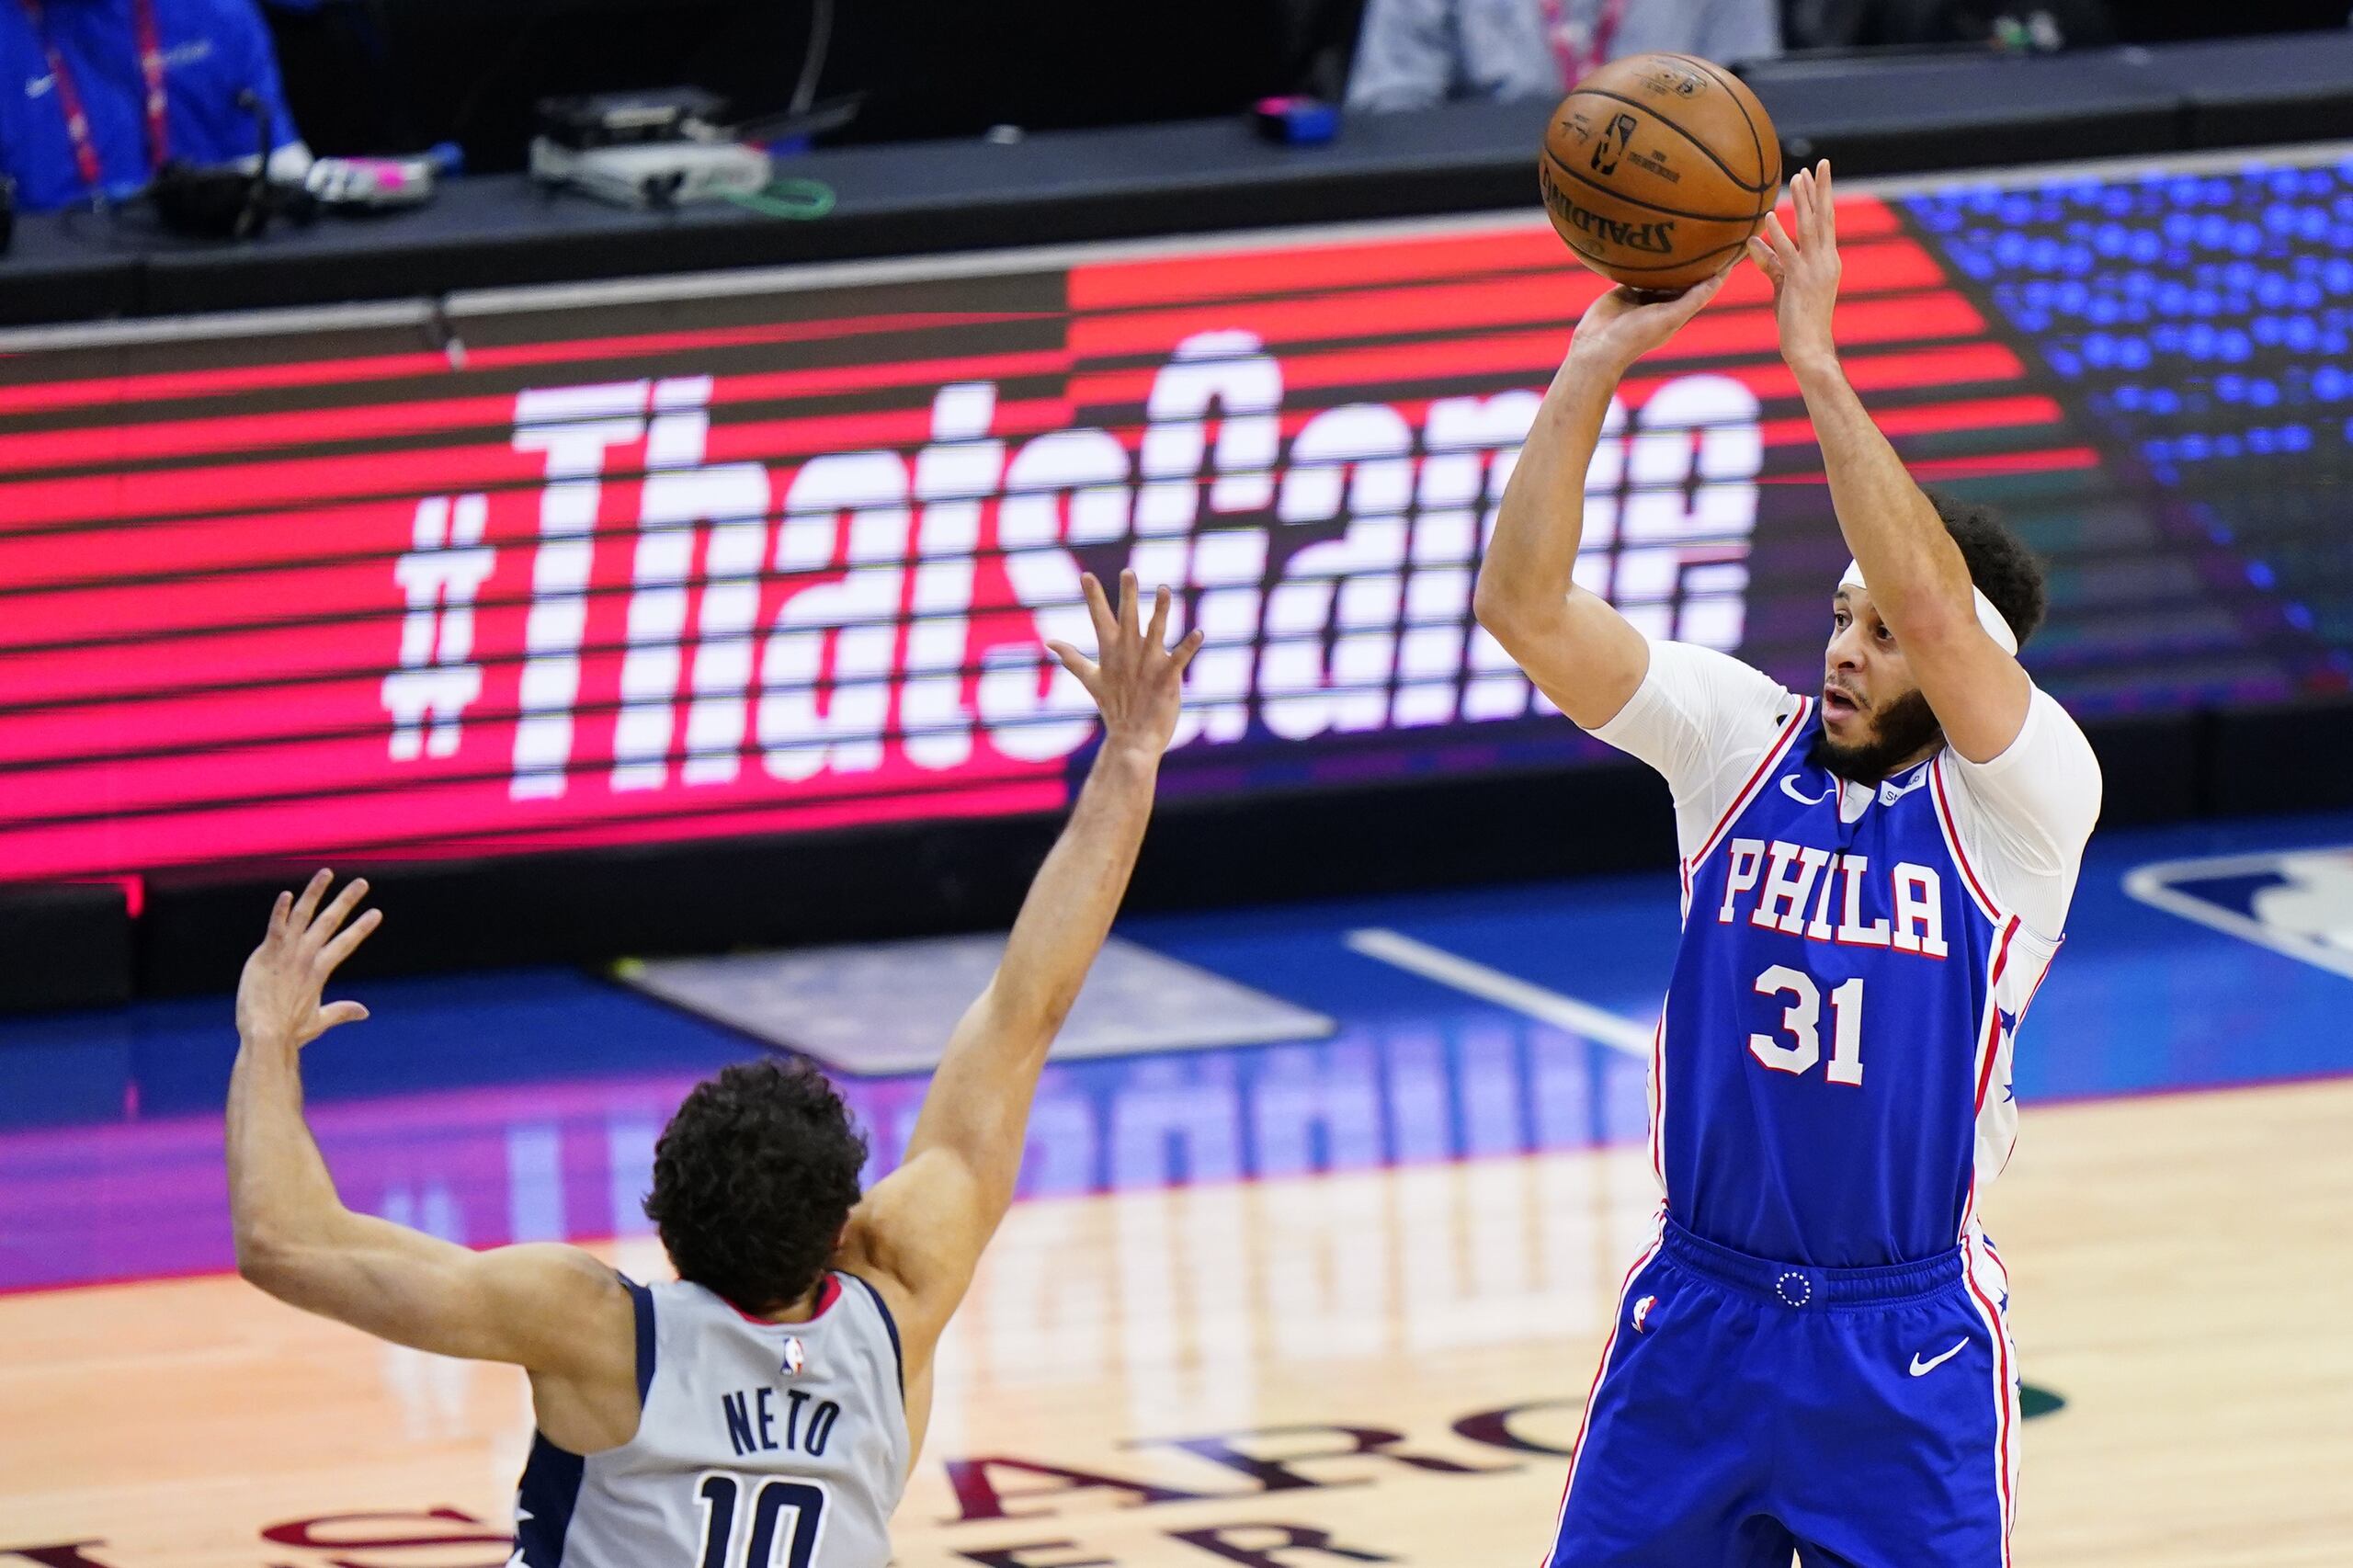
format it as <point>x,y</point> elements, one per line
<point>1494,986</point>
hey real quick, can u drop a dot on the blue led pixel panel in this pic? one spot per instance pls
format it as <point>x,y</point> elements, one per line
<point>2196,326</point>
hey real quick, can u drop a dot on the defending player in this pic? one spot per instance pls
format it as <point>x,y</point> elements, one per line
<point>1810,1354</point>
<point>766,1409</point>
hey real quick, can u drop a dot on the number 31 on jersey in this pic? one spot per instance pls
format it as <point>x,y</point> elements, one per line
<point>1802,1021</point>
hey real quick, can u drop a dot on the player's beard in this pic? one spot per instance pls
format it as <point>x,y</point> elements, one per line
<point>1903,730</point>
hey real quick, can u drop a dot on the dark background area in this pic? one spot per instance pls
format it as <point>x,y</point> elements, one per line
<point>1871,115</point>
<point>2168,21</point>
<point>386,75</point>
<point>376,75</point>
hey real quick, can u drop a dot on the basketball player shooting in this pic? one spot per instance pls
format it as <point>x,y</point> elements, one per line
<point>1810,1354</point>
<point>767,1407</point>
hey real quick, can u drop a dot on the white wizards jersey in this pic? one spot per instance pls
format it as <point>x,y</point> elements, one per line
<point>759,1444</point>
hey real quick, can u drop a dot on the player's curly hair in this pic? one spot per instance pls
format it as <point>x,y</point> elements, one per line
<point>2000,564</point>
<point>753,1180</point>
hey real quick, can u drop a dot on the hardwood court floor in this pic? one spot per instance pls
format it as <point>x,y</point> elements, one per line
<point>2178,1266</point>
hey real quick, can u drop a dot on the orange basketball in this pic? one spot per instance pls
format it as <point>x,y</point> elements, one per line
<point>1658,169</point>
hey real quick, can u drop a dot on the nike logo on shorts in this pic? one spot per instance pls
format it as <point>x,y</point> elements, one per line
<point>1921,1369</point>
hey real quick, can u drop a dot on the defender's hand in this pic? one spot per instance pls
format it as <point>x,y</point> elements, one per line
<point>1622,325</point>
<point>1138,682</point>
<point>1804,271</point>
<point>278,995</point>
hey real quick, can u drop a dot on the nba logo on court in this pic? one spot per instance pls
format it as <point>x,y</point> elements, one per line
<point>1642,1314</point>
<point>795,1357</point>
<point>2298,904</point>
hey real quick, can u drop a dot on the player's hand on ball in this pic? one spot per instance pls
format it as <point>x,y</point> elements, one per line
<point>1136,679</point>
<point>1623,324</point>
<point>1804,271</point>
<point>279,994</point>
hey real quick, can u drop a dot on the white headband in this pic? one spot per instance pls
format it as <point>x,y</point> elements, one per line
<point>1987,616</point>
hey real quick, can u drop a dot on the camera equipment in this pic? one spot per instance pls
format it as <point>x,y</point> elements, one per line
<point>628,120</point>
<point>665,148</point>
<point>376,185</point>
<point>650,174</point>
<point>223,203</point>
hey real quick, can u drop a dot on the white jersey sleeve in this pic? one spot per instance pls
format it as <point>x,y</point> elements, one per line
<point>2025,816</point>
<point>1704,720</point>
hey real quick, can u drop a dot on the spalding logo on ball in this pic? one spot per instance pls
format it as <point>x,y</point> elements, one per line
<point>1658,169</point>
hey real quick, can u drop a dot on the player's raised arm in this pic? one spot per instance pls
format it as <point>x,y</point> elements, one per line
<point>1584,654</point>
<point>552,1309</point>
<point>922,1228</point>
<point>1917,582</point>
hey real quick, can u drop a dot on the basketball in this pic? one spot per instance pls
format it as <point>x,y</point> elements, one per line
<point>1658,169</point>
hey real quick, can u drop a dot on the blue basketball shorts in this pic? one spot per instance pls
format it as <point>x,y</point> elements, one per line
<point>1746,1410</point>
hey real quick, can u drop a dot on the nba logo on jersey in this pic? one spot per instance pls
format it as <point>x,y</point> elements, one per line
<point>795,1357</point>
<point>1643,1312</point>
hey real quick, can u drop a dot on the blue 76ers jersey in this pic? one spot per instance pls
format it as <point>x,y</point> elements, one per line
<point>1832,1075</point>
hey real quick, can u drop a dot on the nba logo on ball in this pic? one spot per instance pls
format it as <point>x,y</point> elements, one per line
<point>1613,144</point>
<point>795,1357</point>
<point>1656,168</point>
<point>1642,1314</point>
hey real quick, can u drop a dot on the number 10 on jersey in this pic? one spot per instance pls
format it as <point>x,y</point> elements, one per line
<point>794,1508</point>
<point>1802,1021</point>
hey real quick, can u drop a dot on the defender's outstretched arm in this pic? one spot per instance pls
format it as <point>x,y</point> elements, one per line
<point>552,1309</point>
<point>921,1230</point>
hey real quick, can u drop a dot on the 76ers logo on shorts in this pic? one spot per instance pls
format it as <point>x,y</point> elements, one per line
<point>1642,1314</point>
<point>1615,139</point>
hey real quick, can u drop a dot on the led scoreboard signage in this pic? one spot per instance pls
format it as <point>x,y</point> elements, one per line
<point>777,557</point>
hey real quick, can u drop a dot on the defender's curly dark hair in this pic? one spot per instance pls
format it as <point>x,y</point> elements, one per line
<point>753,1180</point>
<point>2001,566</point>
